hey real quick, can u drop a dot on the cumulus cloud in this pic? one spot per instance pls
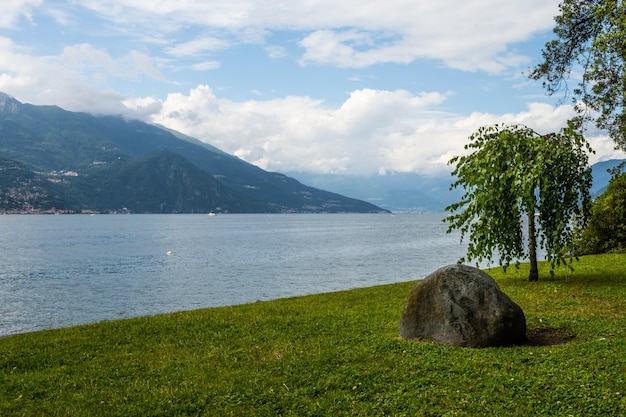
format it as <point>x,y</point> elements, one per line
<point>372,131</point>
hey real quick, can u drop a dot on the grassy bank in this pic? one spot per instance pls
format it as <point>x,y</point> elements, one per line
<point>331,354</point>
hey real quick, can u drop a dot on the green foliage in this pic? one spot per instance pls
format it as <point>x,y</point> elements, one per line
<point>512,173</point>
<point>606,229</point>
<point>590,39</point>
<point>336,354</point>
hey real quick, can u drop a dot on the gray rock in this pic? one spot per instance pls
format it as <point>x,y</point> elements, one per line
<point>460,305</point>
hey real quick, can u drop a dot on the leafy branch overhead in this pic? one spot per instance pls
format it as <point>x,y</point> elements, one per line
<point>513,173</point>
<point>590,46</point>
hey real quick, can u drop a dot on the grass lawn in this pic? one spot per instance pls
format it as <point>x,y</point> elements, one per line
<point>331,354</point>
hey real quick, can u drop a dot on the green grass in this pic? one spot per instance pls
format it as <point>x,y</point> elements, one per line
<point>331,354</point>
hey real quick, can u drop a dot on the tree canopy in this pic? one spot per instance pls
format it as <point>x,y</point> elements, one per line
<point>590,40</point>
<point>513,171</point>
<point>606,229</point>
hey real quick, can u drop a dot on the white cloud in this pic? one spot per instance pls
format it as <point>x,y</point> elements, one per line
<point>372,131</point>
<point>172,15</point>
<point>468,35</point>
<point>13,10</point>
<point>275,51</point>
<point>198,46</point>
<point>206,66</point>
<point>85,57</point>
<point>472,35</point>
<point>77,79</point>
<point>350,49</point>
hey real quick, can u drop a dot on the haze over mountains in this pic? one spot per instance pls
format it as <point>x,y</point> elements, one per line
<point>398,192</point>
<point>56,160</point>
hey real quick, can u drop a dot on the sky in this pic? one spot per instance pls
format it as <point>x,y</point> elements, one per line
<point>324,86</point>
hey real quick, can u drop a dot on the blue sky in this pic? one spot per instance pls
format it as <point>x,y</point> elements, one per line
<point>327,86</point>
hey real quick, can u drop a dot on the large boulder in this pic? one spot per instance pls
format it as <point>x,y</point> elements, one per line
<point>460,305</point>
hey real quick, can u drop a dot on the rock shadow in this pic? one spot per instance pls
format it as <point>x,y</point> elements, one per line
<point>548,336</point>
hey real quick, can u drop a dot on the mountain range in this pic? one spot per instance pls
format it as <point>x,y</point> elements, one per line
<point>398,192</point>
<point>53,160</point>
<point>417,193</point>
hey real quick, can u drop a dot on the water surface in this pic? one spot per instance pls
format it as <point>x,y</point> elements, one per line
<point>63,270</point>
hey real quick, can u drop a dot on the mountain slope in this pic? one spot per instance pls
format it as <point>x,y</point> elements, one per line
<point>164,182</point>
<point>22,190</point>
<point>109,157</point>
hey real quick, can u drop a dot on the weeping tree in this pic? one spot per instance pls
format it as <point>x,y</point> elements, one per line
<point>515,176</point>
<point>590,48</point>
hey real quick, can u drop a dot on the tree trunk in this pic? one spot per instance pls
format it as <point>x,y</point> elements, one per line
<point>532,247</point>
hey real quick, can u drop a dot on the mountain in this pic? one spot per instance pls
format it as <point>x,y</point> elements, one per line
<point>81,162</point>
<point>408,192</point>
<point>24,190</point>
<point>163,182</point>
<point>602,176</point>
<point>398,192</point>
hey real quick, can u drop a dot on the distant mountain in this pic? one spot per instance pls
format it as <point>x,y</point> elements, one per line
<point>81,162</point>
<point>398,192</point>
<point>402,192</point>
<point>601,175</point>
<point>163,182</point>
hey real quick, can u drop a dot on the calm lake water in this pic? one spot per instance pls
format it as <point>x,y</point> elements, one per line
<point>57,271</point>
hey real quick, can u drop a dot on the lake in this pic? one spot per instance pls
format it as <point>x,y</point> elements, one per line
<point>63,270</point>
